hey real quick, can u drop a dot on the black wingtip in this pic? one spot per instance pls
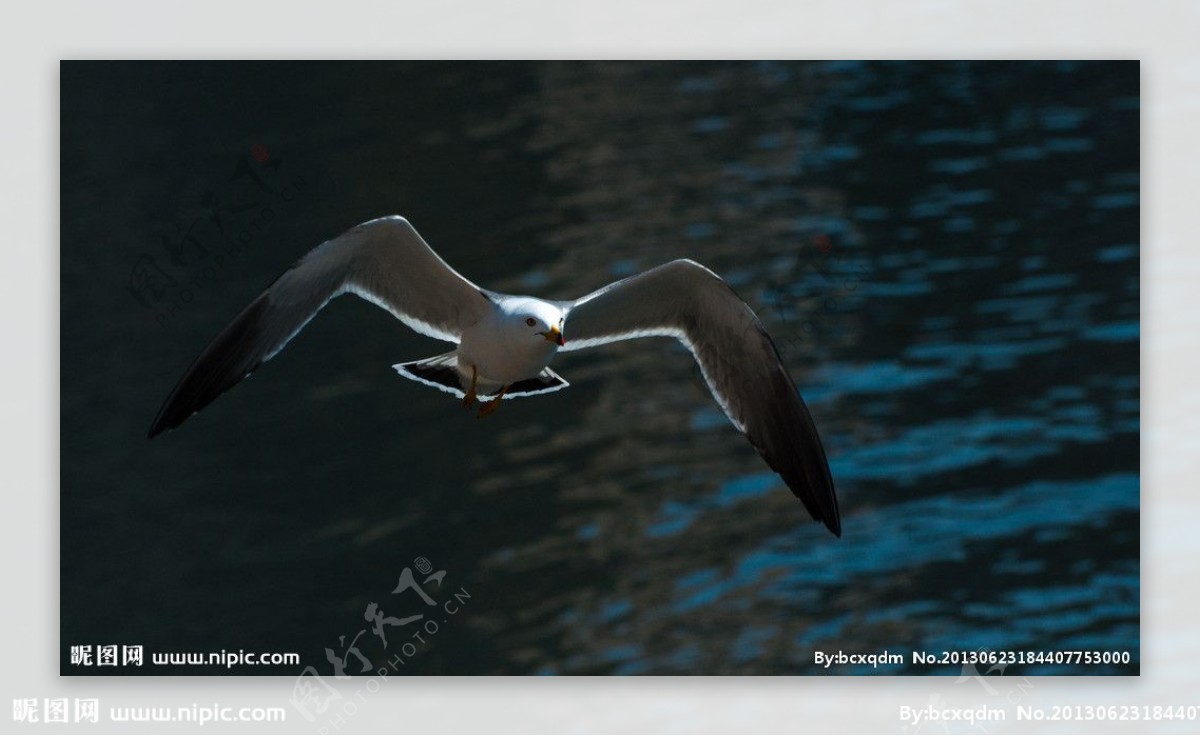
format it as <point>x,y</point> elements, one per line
<point>834,525</point>
<point>159,426</point>
<point>801,462</point>
<point>163,422</point>
<point>160,422</point>
<point>231,356</point>
<point>832,515</point>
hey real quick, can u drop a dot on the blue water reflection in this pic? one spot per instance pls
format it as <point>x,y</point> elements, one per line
<point>966,442</point>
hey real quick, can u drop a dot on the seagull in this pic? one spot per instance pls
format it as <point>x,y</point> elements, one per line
<point>505,343</point>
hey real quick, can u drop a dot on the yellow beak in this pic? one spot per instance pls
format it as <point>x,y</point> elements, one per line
<point>554,335</point>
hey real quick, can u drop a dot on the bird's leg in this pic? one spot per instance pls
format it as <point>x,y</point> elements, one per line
<point>469,399</point>
<point>488,407</point>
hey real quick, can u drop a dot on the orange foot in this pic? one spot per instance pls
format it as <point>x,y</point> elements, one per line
<point>469,399</point>
<point>487,408</point>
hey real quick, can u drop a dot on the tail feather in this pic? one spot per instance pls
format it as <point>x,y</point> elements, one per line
<point>441,372</point>
<point>542,383</point>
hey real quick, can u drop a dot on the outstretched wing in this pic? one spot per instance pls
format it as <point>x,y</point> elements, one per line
<point>684,300</point>
<point>383,261</point>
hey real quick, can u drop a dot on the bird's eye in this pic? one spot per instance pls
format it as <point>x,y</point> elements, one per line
<point>531,321</point>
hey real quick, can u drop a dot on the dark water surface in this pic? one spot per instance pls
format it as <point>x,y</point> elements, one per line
<point>946,254</point>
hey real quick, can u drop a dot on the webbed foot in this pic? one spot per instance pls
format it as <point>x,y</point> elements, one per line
<point>492,405</point>
<point>470,399</point>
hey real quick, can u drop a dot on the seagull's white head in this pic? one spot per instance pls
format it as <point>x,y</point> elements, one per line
<point>536,319</point>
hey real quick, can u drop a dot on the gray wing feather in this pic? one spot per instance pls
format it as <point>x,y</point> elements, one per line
<point>740,363</point>
<point>384,261</point>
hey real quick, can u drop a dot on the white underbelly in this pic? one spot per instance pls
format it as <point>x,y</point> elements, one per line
<point>504,363</point>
